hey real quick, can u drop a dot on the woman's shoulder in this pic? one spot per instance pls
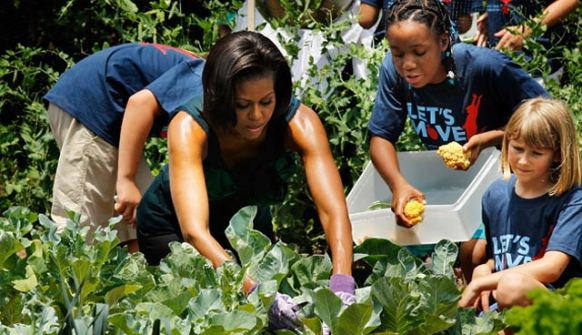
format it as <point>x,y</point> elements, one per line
<point>193,108</point>
<point>299,114</point>
<point>304,128</point>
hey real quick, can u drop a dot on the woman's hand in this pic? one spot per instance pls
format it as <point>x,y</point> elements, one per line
<point>128,197</point>
<point>283,313</point>
<point>401,195</point>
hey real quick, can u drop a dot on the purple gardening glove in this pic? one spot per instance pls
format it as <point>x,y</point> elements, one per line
<point>283,313</point>
<point>344,286</point>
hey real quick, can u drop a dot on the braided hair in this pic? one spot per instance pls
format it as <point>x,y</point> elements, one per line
<point>431,13</point>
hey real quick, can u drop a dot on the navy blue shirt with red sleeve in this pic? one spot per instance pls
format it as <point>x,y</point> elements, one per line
<point>487,89</point>
<point>522,230</point>
<point>95,91</point>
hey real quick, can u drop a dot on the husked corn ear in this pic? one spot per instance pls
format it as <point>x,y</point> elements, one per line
<point>453,156</point>
<point>413,210</point>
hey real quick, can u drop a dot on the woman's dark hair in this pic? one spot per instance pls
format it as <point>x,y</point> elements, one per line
<point>432,13</point>
<point>235,58</point>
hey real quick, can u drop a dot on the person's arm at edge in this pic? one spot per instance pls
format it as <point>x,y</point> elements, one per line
<point>186,149</point>
<point>478,142</point>
<point>138,119</point>
<point>368,15</point>
<point>552,15</point>
<point>308,137</point>
<point>558,10</point>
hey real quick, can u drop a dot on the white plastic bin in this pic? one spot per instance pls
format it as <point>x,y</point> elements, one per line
<point>453,199</point>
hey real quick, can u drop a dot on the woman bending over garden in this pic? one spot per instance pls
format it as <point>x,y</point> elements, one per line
<point>533,216</point>
<point>449,92</point>
<point>233,149</point>
<point>101,112</point>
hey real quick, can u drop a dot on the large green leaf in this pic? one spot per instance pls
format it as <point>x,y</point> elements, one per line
<point>274,265</point>
<point>28,283</point>
<point>154,310</point>
<point>37,258</point>
<point>249,244</point>
<point>207,300</point>
<point>353,320</point>
<point>19,220</point>
<point>116,293</point>
<point>310,271</point>
<point>400,304</point>
<point>374,249</point>
<point>443,258</point>
<point>9,245</point>
<point>327,307</point>
<point>186,262</point>
<point>439,296</point>
<point>235,322</point>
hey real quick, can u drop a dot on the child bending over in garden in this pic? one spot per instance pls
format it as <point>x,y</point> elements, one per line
<point>101,112</point>
<point>234,149</point>
<point>449,92</point>
<point>533,216</point>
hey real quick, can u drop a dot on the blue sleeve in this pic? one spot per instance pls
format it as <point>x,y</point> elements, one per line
<point>178,85</point>
<point>373,3</point>
<point>388,115</point>
<point>567,234</point>
<point>507,81</point>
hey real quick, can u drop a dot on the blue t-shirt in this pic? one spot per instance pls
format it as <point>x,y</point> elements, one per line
<point>521,230</point>
<point>488,88</point>
<point>95,91</point>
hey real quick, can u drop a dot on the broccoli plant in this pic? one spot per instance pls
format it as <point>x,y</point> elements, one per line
<point>56,283</point>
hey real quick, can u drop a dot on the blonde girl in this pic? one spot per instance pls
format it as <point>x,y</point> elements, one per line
<point>533,215</point>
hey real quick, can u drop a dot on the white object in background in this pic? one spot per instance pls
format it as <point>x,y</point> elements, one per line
<point>310,43</point>
<point>251,10</point>
<point>453,199</point>
<point>470,35</point>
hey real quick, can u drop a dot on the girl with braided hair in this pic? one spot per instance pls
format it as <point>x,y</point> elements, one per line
<point>449,92</point>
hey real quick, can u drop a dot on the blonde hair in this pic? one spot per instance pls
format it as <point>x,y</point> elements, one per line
<point>546,124</point>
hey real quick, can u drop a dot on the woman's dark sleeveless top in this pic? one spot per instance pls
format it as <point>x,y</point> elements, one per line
<point>262,182</point>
